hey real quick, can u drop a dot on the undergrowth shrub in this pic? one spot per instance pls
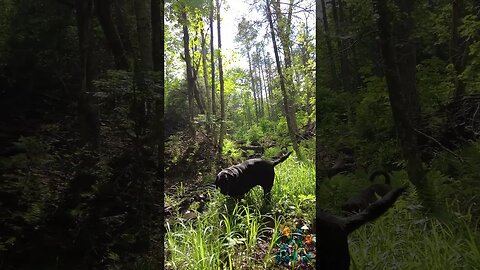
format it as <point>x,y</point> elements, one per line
<point>23,189</point>
<point>230,150</point>
<point>404,238</point>
<point>458,179</point>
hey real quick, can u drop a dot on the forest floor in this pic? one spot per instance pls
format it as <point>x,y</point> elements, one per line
<point>203,223</point>
<point>67,205</point>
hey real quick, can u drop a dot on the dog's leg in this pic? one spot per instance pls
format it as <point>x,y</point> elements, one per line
<point>267,188</point>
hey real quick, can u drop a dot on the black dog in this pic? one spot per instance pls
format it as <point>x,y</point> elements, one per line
<point>369,195</point>
<point>332,252</point>
<point>237,180</point>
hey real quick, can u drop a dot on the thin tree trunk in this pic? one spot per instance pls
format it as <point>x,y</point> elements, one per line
<point>305,56</point>
<point>284,35</point>
<point>333,72</point>
<point>252,80</point>
<point>291,129</point>
<point>104,15</point>
<point>344,74</point>
<point>123,27</point>
<point>260,85</point>
<point>188,62</point>
<point>212,67</point>
<point>205,80</point>
<point>353,77</point>
<point>196,91</point>
<point>144,32</point>
<point>222,89</point>
<point>212,62</point>
<point>264,85</point>
<point>269,86</point>
<point>399,59</point>
<point>87,114</point>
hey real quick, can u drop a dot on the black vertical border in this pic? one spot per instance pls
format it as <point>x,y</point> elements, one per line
<point>161,134</point>
<point>317,117</point>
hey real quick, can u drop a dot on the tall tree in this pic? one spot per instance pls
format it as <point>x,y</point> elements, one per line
<point>222,86</point>
<point>284,34</point>
<point>205,81</point>
<point>333,71</point>
<point>212,68</point>
<point>399,57</point>
<point>196,65</point>
<point>259,78</point>
<point>344,66</point>
<point>288,110</point>
<point>212,54</point>
<point>123,27</point>
<point>104,15</point>
<point>88,116</point>
<point>262,78</point>
<point>308,78</point>
<point>252,81</point>
<point>246,36</point>
<point>189,69</point>
<point>144,33</point>
<point>267,65</point>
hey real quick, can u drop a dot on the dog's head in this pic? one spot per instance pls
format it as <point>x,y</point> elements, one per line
<point>222,182</point>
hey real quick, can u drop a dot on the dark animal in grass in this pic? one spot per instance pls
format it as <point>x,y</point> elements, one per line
<point>369,195</point>
<point>344,163</point>
<point>237,180</point>
<point>332,249</point>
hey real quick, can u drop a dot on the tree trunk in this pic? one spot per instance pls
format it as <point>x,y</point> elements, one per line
<point>291,129</point>
<point>188,63</point>
<point>212,53</point>
<point>123,26</point>
<point>305,57</point>
<point>222,87</point>
<point>196,91</point>
<point>284,35</point>
<point>104,15</point>
<point>212,67</point>
<point>252,80</point>
<point>87,114</point>
<point>205,80</point>
<point>144,33</point>
<point>399,59</point>
<point>344,74</point>
<point>267,69</point>
<point>264,85</point>
<point>260,85</point>
<point>156,35</point>
<point>333,72</point>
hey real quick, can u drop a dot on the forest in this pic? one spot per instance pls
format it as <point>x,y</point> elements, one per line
<point>398,90</point>
<point>239,84</point>
<point>119,120</point>
<point>81,148</point>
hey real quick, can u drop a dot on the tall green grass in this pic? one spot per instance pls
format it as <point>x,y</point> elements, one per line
<point>242,235</point>
<point>405,237</point>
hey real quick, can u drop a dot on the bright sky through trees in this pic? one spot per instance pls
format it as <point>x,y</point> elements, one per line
<point>232,12</point>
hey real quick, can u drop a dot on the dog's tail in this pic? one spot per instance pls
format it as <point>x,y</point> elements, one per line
<point>380,172</point>
<point>282,159</point>
<point>373,211</point>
